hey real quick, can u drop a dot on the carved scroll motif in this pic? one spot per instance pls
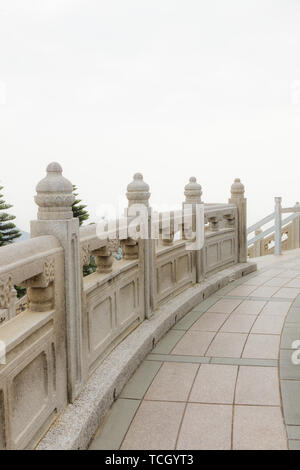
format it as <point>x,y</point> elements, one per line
<point>5,292</point>
<point>44,278</point>
<point>49,271</point>
<point>85,255</point>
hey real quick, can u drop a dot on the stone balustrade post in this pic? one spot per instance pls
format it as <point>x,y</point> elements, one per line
<point>237,198</point>
<point>193,193</point>
<point>257,248</point>
<point>40,289</point>
<point>167,233</point>
<point>214,224</point>
<point>144,249</point>
<point>278,227</point>
<point>55,217</point>
<point>103,259</point>
<point>229,220</point>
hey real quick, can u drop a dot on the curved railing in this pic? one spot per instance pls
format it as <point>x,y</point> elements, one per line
<point>59,333</point>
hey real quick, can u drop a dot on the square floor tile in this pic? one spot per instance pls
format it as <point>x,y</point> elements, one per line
<point>206,427</point>
<point>258,428</point>
<point>173,382</point>
<point>264,291</point>
<point>227,345</point>
<point>262,346</point>
<point>250,307</point>
<point>257,386</point>
<point>242,291</point>
<point>273,272</point>
<point>276,308</point>
<point>155,426</point>
<point>294,283</point>
<point>276,282</point>
<point>225,306</point>
<point>257,281</point>
<point>238,324</point>
<point>194,343</point>
<point>288,273</point>
<point>287,293</point>
<point>268,324</point>
<point>210,321</point>
<point>214,384</point>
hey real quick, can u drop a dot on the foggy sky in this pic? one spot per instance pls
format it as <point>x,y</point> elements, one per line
<point>169,88</point>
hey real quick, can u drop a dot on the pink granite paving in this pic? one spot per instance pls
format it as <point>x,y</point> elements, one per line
<point>230,404</point>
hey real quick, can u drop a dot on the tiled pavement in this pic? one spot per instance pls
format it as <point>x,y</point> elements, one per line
<point>213,381</point>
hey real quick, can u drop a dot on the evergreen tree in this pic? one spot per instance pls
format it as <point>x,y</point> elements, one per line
<point>79,209</point>
<point>8,230</point>
<point>80,212</point>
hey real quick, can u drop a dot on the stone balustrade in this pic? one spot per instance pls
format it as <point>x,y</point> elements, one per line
<point>58,335</point>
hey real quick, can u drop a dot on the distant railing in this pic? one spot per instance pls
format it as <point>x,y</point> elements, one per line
<point>283,234</point>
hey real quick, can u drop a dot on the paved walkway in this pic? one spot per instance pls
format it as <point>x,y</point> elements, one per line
<point>213,381</point>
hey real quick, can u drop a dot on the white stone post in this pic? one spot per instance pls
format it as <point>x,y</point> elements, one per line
<point>193,193</point>
<point>237,198</point>
<point>138,194</point>
<point>55,217</point>
<point>278,243</point>
<point>257,247</point>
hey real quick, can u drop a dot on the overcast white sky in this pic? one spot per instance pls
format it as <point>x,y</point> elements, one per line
<point>171,88</point>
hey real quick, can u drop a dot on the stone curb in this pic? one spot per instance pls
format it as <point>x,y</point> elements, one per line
<point>75,428</point>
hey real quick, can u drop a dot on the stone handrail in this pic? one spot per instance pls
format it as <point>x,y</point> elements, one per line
<point>283,234</point>
<point>71,322</point>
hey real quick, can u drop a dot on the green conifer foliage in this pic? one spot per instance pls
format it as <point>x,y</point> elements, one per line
<point>8,230</point>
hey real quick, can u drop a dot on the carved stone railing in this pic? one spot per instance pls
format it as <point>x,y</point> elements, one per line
<point>221,237</point>
<point>113,302</point>
<point>176,267</point>
<point>33,379</point>
<point>59,333</point>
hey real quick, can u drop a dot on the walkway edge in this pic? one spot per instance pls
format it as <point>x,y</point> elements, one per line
<point>290,376</point>
<point>75,428</point>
